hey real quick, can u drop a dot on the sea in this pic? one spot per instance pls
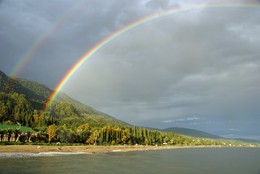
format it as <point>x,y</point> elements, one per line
<point>173,161</point>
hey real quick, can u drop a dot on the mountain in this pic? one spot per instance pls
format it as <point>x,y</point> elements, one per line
<point>192,132</point>
<point>22,99</point>
<point>247,140</point>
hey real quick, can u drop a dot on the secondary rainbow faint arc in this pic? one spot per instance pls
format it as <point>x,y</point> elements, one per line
<point>39,42</point>
<point>130,27</point>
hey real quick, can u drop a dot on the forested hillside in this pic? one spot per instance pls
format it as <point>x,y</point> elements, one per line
<point>32,97</point>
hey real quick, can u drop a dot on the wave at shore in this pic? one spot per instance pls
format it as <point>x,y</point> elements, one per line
<point>25,151</point>
<point>41,154</point>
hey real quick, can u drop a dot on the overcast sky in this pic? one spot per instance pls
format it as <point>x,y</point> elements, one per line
<point>196,69</point>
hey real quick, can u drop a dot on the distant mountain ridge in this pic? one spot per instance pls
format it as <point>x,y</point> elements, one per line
<point>193,133</point>
<point>247,140</point>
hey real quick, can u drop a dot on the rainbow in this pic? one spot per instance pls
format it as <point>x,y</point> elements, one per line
<point>40,41</point>
<point>129,27</point>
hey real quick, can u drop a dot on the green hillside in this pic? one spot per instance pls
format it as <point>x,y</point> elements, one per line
<point>44,92</point>
<point>32,98</point>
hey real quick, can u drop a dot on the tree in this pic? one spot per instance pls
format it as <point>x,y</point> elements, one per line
<point>28,135</point>
<point>84,132</point>
<point>17,132</point>
<point>64,134</point>
<point>93,137</point>
<point>9,134</point>
<point>52,129</point>
<point>2,133</point>
<point>125,136</point>
<point>96,135</point>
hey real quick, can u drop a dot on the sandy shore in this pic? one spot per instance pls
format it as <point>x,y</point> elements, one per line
<point>86,149</point>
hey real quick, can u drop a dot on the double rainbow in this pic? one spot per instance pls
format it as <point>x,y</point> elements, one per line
<point>129,27</point>
<point>40,41</point>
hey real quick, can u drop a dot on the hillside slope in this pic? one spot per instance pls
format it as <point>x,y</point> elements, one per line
<point>192,132</point>
<point>35,95</point>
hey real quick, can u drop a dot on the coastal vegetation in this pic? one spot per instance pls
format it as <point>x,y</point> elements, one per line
<point>85,134</point>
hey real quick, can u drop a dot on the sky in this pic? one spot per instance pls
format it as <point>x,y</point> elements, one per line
<point>197,68</point>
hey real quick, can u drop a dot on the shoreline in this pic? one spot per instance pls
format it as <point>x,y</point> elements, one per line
<point>91,149</point>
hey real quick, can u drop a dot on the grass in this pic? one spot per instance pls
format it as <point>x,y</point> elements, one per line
<point>22,128</point>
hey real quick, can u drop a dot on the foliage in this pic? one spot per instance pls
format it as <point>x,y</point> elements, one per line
<point>23,138</point>
<point>52,129</point>
<point>16,108</point>
<point>63,110</point>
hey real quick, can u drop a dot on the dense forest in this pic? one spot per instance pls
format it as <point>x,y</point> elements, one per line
<point>69,121</point>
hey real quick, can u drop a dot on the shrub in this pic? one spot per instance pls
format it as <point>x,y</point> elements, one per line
<point>34,138</point>
<point>23,138</point>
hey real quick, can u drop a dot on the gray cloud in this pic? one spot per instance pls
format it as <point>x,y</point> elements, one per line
<point>157,4</point>
<point>180,65</point>
<point>203,62</point>
<point>182,120</point>
<point>66,29</point>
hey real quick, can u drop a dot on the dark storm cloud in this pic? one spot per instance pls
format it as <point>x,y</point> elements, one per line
<point>68,30</point>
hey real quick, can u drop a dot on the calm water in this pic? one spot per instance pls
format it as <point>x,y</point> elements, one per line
<point>209,160</point>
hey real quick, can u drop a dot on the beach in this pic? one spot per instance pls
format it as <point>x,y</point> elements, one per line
<point>87,149</point>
